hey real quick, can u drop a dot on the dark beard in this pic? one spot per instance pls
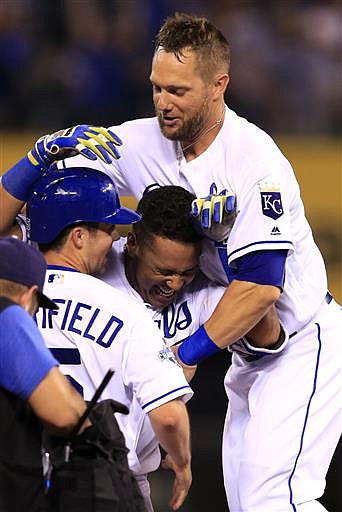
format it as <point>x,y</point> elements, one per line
<point>190,130</point>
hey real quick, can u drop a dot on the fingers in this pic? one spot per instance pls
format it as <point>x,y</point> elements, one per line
<point>107,134</point>
<point>207,210</point>
<point>181,484</point>
<point>180,489</point>
<point>213,208</point>
<point>178,497</point>
<point>213,189</point>
<point>91,141</point>
<point>230,203</point>
<point>97,147</point>
<point>196,206</point>
<point>101,143</point>
<point>218,203</point>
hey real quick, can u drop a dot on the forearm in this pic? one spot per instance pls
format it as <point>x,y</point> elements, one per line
<point>239,312</point>
<point>9,208</point>
<point>170,423</point>
<point>266,332</point>
<point>57,403</point>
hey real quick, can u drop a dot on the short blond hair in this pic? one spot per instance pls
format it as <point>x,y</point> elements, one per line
<point>181,32</point>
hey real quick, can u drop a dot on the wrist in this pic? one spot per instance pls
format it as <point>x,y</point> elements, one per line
<point>271,348</point>
<point>39,155</point>
<point>19,180</point>
<point>197,347</point>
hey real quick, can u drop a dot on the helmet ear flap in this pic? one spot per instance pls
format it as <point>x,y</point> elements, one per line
<point>67,196</point>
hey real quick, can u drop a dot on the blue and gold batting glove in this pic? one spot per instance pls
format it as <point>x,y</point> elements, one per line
<point>214,215</point>
<point>90,141</point>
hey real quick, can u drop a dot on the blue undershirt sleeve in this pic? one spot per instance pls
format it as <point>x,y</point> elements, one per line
<point>260,267</point>
<point>24,358</point>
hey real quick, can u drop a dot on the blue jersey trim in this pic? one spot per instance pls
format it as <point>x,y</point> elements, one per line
<point>59,267</point>
<point>265,267</point>
<point>166,394</point>
<point>66,355</point>
<point>306,416</point>
<point>222,253</point>
<point>275,242</point>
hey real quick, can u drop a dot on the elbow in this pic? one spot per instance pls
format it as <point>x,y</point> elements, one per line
<point>169,423</point>
<point>168,418</point>
<point>269,295</point>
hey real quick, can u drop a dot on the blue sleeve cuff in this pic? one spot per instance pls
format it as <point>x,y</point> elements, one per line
<point>20,178</point>
<point>197,347</point>
<point>261,267</point>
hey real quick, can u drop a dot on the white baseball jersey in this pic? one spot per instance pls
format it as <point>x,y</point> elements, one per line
<point>191,308</point>
<point>97,328</point>
<point>246,161</point>
<point>284,415</point>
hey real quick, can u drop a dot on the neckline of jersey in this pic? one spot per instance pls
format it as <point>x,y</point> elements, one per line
<point>59,267</point>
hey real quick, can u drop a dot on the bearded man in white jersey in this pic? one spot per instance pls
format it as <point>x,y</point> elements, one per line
<point>283,420</point>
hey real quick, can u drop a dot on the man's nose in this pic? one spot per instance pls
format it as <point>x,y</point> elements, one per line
<point>175,282</point>
<point>164,101</point>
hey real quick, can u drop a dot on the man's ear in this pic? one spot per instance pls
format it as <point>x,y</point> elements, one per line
<point>220,85</point>
<point>131,244</point>
<point>27,299</point>
<point>77,234</point>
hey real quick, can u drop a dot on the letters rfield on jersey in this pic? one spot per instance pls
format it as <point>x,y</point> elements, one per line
<point>82,319</point>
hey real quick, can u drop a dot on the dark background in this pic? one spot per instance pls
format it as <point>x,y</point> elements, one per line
<point>72,61</point>
<point>68,61</point>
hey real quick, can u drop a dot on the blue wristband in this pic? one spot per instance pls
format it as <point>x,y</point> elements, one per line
<point>20,178</point>
<point>197,347</point>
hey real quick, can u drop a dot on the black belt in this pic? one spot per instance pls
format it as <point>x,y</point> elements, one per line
<point>328,298</point>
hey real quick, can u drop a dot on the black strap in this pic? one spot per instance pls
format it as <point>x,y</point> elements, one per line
<point>328,297</point>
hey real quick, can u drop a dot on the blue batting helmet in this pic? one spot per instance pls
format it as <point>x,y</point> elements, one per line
<point>68,196</point>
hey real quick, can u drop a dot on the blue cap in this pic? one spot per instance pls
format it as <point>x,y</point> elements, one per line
<point>24,264</point>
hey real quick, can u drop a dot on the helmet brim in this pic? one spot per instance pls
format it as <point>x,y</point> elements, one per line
<point>125,216</point>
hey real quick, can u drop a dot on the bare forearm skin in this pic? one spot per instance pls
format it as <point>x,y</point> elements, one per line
<point>57,403</point>
<point>9,208</point>
<point>245,308</point>
<point>170,423</point>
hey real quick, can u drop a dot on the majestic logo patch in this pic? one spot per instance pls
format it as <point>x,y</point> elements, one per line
<point>275,231</point>
<point>271,200</point>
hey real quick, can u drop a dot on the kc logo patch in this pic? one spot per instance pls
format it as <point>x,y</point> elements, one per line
<point>271,200</point>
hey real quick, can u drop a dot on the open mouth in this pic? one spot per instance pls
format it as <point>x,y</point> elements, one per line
<point>164,292</point>
<point>168,120</point>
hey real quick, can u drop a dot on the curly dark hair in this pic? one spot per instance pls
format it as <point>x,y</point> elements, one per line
<point>186,31</point>
<point>165,212</point>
